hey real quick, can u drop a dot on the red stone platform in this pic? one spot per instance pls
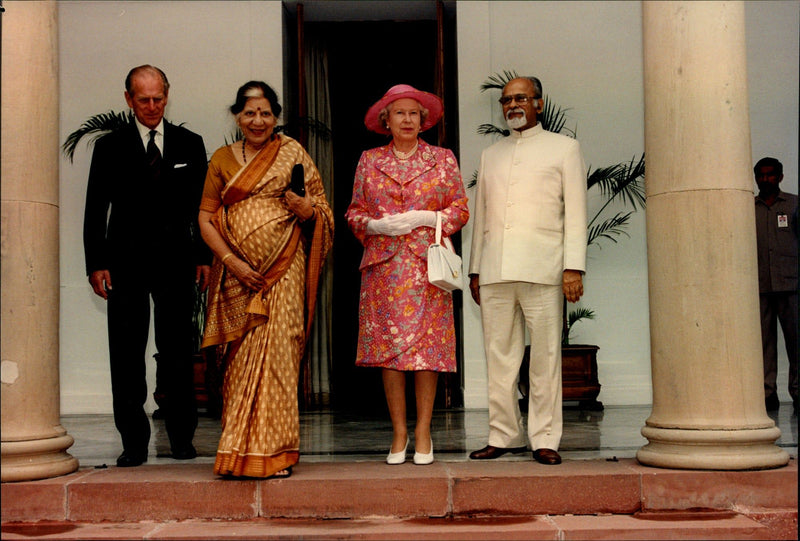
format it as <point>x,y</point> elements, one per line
<point>580,499</point>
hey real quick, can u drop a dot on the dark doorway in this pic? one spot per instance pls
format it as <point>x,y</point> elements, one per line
<point>364,60</point>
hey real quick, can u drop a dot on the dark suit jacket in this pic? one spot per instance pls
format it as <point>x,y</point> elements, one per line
<point>149,220</point>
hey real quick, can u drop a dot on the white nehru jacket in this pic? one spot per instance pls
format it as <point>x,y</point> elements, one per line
<point>530,210</point>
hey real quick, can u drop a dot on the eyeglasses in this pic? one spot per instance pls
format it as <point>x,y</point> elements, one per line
<point>522,99</point>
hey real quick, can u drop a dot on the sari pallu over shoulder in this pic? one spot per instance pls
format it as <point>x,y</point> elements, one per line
<point>232,308</point>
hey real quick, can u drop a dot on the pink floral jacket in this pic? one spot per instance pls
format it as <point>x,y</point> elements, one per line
<point>384,185</point>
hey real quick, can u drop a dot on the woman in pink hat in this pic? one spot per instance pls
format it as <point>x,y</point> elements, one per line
<point>405,323</point>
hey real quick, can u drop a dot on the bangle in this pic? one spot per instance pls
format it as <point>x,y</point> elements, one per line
<point>313,214</point>
<point>226,256</point>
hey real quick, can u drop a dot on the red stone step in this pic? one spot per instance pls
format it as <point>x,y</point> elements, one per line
<point>499,499</point>
<point>612,527</point>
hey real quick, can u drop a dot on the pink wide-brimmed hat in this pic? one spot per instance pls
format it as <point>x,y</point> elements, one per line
<point>429,101</point>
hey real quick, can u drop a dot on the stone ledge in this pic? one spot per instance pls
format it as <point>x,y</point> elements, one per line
<point>372,489</point>
<point>596,527</point>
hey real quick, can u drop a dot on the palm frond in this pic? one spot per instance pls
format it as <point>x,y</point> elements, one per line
<point>631,184</point>
<point>498,81</point>
<point>491,129</point>
<point>554,118</point>
<point>603,177</point>
<point>572,318</point>
<point>473,180</point>
<point>235,136</point>
<point>610,228</point>
<point>623,181</point>
<point>579,314</point>
<point>96,126</point>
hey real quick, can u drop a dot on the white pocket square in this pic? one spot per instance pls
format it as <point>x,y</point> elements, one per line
<point>179,165</point>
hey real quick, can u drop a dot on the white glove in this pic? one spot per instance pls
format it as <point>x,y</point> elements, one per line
<point>391,226</point>
<point>401,224</point>
<point>420,218</point>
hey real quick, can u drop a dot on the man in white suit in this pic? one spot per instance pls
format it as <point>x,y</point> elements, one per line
<point>528,252</point>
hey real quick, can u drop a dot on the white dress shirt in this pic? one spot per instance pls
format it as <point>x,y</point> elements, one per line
<point>144,133</point>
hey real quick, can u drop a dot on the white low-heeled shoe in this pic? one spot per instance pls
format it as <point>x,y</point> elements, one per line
<point>397,458</point>
<point>423,459</point>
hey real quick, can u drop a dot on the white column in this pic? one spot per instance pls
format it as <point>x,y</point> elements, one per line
<point>33,442</point>
<point>708,392</point>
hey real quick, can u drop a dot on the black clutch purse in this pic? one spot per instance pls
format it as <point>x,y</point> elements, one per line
<point>298,184</point>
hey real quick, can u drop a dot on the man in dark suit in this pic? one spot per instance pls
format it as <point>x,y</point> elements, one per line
<point>150,174</point>
<point>776,241</point>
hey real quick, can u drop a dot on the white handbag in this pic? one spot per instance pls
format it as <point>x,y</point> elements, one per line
<point>444,264</point>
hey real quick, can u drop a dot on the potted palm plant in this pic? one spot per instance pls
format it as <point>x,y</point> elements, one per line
<point>621,183</point>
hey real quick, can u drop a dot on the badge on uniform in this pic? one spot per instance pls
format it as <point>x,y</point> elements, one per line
<point>783,220</point>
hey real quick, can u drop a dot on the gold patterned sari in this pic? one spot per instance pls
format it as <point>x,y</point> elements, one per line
<point>264,332</point>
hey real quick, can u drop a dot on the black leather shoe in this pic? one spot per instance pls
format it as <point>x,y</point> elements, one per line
<point>547,456</point>
<point>489,452</point>
<point>184,453</point>
<point>129,460</point>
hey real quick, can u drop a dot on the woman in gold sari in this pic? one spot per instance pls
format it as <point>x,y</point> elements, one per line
<point>269,244</point>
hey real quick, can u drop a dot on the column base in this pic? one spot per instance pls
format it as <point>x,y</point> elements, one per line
<point>746,449</point>
<point>37,459</point>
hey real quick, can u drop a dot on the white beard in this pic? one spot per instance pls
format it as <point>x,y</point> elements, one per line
<point>516,122</point>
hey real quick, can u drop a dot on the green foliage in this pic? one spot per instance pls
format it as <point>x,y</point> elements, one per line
<point>498,80</point>
<point>622,182</point>
<point>609,228</point>
<point>95,126</point>
<point>574,317</point>
<point>554,118</point>
<point>491,129</point>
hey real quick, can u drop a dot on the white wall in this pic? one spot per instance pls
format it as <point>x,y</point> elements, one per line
<point>589,58</point>
<point>207,49</point>
<point>773,57</point>
<point>588,55</point>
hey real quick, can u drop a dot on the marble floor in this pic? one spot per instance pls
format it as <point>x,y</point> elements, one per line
<point>347,436</point>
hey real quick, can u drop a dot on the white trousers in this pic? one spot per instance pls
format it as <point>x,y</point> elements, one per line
<point>506,309</point>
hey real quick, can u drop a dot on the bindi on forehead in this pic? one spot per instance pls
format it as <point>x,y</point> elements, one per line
<point>256,104</point>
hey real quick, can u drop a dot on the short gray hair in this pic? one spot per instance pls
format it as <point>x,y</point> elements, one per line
<point>145,68</point>
<point>537,85</point>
